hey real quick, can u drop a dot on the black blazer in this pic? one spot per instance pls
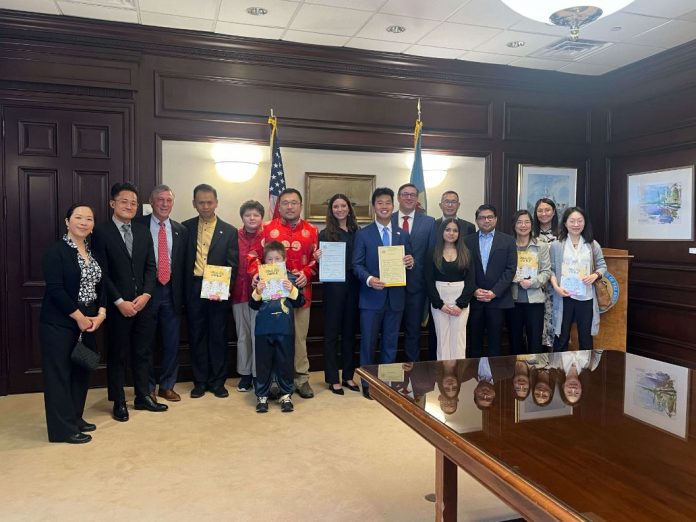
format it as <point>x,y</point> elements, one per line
<point>62,275</point>
<point>178,261</point>
<point>223,251</point>
<point>125,277</point>
<point>465,227</point>
<point>502,265</point>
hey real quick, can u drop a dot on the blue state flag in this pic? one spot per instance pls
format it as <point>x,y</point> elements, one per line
<point>417,171</point>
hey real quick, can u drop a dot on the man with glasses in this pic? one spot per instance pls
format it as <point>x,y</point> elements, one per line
<point>494,257</point>
<point>421,230</point>
<point>300,239</point>
<point>126,252</point>
<point>449,204</point>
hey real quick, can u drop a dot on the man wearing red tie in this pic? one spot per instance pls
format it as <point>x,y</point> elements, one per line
<point>169,239</point>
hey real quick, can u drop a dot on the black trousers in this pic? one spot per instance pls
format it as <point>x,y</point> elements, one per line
<point>485,320</point>
<point>129,337</point>
<point>526,322</point>
<point>581,313</point>
<point>340,313</point>
<point>207,329</point>
<point>65,383</point>
<point>275,356</point>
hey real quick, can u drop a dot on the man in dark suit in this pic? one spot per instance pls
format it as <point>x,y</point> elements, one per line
<point>380,306</point>
<point>124,248</point>
<point>421,230</point>
<point>449,204</point>
<point>170,240</point>
<point>494,257</point>
<point>211,241</point>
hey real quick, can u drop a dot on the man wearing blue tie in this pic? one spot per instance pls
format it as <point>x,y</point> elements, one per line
<point>381,307</point>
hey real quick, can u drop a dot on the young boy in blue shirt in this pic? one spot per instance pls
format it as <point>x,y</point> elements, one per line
<point>275,336</point>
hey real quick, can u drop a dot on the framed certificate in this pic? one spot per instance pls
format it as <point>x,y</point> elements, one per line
<point>392,271</point>
<point>332,265</point>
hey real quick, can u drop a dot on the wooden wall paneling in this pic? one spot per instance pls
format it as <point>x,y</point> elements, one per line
<point>548,124</point>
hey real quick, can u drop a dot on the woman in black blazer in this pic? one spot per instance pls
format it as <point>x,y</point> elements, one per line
<point>74,303</point>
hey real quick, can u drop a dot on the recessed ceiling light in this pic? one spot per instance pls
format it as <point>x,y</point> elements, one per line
<point>396,29</point>
<point>515,44</point>
<point>257,11</point>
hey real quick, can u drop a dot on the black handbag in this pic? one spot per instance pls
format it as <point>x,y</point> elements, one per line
<point>84,356</point>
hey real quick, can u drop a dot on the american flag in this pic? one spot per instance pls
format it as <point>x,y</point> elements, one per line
<point>276,184</point>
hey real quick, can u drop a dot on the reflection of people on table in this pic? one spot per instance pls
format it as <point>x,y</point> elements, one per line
<point>521,379</point>
<point>449,378</point>
<point>488,373</point>
<point>542,377</point>
<point>417,381</point>
<point>572,374</point>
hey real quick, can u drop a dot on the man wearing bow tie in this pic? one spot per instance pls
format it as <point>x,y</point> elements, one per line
<point>169,238</point>
<point>381,307</point>
<point>211,241</point>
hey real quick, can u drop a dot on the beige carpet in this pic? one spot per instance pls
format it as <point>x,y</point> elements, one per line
<point>333,459</point>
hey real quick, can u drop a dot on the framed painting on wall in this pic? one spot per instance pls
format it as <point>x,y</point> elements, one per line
<point>320,187</point>
<point>556,183</point>
<point>661,205</point>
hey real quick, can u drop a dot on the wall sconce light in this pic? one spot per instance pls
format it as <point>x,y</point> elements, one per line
<point>236,162</point>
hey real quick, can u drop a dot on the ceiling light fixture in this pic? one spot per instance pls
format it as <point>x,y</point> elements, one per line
<point>558,12</point>
<point>396,29</point>
<point>257,11</point>
<point>516,44</point>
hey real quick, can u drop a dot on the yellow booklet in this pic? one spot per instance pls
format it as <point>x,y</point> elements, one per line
<point>392,271</point>
<point>527,265</point>
<point>273,274</point>
<point>216,282</point>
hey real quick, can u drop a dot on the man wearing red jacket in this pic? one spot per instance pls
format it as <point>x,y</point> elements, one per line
<point>300,239</point>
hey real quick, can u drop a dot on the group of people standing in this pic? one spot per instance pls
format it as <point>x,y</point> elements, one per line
<point>146,272</point>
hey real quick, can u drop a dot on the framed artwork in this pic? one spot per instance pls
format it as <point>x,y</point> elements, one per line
<point>556,183</point>
<point>528,410</point>
<point>656,393</point>
<point>320,187</point>
<point>661,205</point>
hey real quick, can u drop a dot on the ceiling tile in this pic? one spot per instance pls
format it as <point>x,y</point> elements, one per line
<point>103,13</point>
<point>620,54</point>
<point>416,28</point>
<point>474,56</point>
<point>439,10</point>
<point>486,12</point>
<point>279,12</point>
<point>663,8</point>
<point>434,52</point>
<point>364,5</point>
<point>377,45</point>
<point>630,25</point>
<point>458,36</point>
<point>527,25</point>
<point>586,68</point>
<point>533,42</point>
<point>315,38</point>
<point>329,20</point>
<point>689,17</point>
<point>197,9</point>
<point>177,22</point>
<point>250,31</point>
<point>671,34</point>
<point>537,63</point>
<point>32,6</point>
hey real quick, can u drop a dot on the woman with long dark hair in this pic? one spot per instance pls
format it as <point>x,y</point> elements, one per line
<point>340,299</point>
<point>576,263</point>
<point>533,272</point>
<point>74,305</point>
<point>449,278</point>
<point>545,228</point>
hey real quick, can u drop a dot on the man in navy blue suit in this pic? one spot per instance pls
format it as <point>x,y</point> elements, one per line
<point>381,307</point>
<point>421,230</point>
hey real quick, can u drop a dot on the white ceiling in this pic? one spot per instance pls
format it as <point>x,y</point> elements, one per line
<point>472,30</point>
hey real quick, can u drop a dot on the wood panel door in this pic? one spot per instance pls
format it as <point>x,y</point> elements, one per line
<point>53,158</point>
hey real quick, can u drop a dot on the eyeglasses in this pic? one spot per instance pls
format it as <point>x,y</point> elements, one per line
<point>290,203</point>
<point>450,202</point>
<point>127,202</point>
<point>409,195</point>
<point>486,218</point>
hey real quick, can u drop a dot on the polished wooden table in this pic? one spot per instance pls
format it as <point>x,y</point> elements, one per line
<point>624,450</point>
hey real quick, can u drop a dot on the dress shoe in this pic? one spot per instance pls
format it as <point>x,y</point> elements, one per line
<point>120,411</point>
<point>85,426</point>
<point>305,391</point>
<point>220,392</point>
<point>169,395</point>
<point>153,396</point>
<point>146,403</point>
<point>78,438</point>
<point>337,391</point>
<point>197,392</point>
<point>351,387</point>
<point>366,394</point>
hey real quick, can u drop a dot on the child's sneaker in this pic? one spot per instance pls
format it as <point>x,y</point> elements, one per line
<point>261,404</point>
<point>286,404</point>
<point>245,383</point>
